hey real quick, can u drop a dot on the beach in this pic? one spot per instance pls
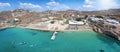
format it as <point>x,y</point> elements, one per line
<point>53,27</point>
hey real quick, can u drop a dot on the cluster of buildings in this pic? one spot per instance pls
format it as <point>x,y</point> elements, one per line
<point>107,21</point>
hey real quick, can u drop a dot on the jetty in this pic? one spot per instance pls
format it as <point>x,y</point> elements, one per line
<point>54,35</point>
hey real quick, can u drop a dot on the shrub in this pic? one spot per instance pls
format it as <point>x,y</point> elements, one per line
<point>52,22</point>
<point>79,19</point>
<point>99,16</point>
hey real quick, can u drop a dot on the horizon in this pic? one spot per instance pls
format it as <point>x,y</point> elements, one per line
<point>59,5</point>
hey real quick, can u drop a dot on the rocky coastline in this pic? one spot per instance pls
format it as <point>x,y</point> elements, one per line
<point>107,29</point>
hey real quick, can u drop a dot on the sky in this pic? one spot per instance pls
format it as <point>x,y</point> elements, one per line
<point>43,5</point>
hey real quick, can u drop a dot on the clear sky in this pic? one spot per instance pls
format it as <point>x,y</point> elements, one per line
<point>42,5</point>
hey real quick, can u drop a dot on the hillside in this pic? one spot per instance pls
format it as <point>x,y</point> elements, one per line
<point>27,16</point>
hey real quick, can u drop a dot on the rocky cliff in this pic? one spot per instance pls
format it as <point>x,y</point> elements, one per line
<point>107,29</point>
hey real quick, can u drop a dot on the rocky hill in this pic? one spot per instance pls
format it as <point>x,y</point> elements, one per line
<point>27,16</point>
<point>102,12</point>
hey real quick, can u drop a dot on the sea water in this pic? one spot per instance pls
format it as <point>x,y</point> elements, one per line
<point>25,40</point>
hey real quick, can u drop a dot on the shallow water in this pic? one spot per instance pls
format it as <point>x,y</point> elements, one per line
<point>39,41</point>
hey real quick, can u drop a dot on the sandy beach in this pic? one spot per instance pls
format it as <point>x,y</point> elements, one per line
<point>53,27</point>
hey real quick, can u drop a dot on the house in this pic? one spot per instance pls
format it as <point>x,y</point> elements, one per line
<point>112,21</point>
<point>96,19</point>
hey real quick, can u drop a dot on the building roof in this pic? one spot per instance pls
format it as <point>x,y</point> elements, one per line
<point>95,19</point>
<point>112,21</point>
<point>75,22</point>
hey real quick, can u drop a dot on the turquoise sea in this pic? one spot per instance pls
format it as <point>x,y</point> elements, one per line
<point>39,41</point>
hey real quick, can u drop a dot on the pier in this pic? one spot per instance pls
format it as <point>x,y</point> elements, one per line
<point>54,35</point>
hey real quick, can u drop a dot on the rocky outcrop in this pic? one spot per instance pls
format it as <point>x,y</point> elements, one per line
<point>107,29</point>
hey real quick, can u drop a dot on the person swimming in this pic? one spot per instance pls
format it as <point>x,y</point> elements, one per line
<point>34,34</point>
<point>31,45</point>
<point>101,50</point>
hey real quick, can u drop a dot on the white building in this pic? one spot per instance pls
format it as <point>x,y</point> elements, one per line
<point>76,22</point>
<point>111,21</point>
<point>95,19</point>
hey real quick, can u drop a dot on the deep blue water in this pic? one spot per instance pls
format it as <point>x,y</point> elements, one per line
<point>39,41</point>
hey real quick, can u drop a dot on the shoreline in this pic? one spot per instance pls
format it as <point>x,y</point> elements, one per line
<point>57,30</point>
<point>46,29</point>
<point>4,28</point>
